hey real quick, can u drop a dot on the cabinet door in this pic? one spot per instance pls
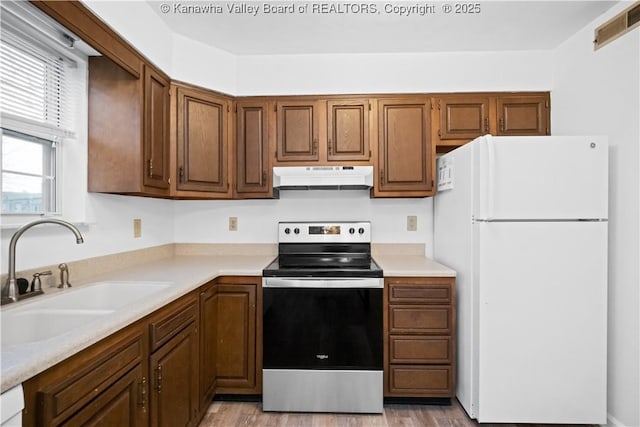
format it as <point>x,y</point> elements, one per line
<point>91,382</point>
<point>174,380</point>
<point>122,404</point>
<point>523,115</point>
<point>236,334</point>
<point>252,149</point>
<point>348,130</point>
<point>156,129</point>
<point>208,340</point>
<point>406,161</point>
<point>297,131</point>
<point>463,118</point>
<point>202,142</point>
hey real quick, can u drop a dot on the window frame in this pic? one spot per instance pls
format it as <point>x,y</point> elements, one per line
<point>50,167</point>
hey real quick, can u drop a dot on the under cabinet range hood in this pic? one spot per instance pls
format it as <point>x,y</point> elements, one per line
<point>322,177</point>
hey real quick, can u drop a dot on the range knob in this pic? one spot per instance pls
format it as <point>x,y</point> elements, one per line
<point>296,230</point>
<point>287,230</point>
<point>352,230</point>
<point>361,230</point>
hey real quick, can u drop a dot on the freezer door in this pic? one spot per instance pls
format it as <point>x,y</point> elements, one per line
<point>542,177</point>
<point>542,322</point>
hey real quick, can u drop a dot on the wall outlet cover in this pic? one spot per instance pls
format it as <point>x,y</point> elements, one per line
<point>233,223</point>
<point>412,223</point>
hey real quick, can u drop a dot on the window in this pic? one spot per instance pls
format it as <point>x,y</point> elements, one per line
<point>28,174</point>
<point>42,82</point>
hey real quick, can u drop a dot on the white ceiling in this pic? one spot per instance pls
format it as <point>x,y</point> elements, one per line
<point>499,25</point>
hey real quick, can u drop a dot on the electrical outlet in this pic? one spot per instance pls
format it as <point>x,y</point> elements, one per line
<point>233,223</point>
<point>412,223</point>
<point>137,228</point>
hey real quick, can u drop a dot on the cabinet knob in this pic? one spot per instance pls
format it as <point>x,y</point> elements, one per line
<point>181,174</point>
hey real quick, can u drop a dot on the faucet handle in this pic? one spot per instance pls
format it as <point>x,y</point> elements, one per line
<point>36,284</point>
<point>64,276</point>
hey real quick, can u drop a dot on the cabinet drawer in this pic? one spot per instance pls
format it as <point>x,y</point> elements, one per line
<point>172,321</point>
<point>432,381</point>
<point>416,349</point>
<point>88,380</point>
<point>409,293</point>
<point>420,319</point>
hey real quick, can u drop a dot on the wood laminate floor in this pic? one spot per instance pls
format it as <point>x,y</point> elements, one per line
<point>236,414</point>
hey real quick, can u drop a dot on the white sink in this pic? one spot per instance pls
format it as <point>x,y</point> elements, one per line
<point>24,326</point>
<point>47,317</point>
<point>105,295</point>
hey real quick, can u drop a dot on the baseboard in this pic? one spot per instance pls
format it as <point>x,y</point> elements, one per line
<point>613,421</point>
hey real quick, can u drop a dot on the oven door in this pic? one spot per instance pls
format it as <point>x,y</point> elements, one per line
<point>328,323</point>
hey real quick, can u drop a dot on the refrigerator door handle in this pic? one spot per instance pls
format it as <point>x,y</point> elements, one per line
<point>491,151</point>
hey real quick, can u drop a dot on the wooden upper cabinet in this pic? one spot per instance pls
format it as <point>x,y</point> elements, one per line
<point>523,115</point>
<point>462,118</point>
<point>202,143</point>
<point>128,130</point>
<point>156,129</point>
<point>252,149</point>
<point>405,154</point>
<point>297,131</point>
<point>348,130</point>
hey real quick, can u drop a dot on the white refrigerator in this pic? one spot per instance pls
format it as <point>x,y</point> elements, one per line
<point>523,221</point>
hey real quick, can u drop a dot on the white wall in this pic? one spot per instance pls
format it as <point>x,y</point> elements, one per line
<point>207,221</point>
<point>137,23</point>
<point>599,93</point>
<point>109,230</point>
<point>393,73</point>
<point>199,64</point>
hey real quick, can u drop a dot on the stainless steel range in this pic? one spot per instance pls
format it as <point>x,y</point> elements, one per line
<point>322,320</point>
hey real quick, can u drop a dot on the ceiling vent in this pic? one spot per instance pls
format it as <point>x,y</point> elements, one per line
<point>617,26</point>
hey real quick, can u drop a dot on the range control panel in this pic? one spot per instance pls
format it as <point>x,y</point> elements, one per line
<point>320,232</point>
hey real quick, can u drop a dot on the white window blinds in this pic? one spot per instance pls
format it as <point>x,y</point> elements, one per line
<point>35,89</point>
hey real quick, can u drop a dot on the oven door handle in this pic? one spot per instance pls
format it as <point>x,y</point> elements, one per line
<point>328,283</point>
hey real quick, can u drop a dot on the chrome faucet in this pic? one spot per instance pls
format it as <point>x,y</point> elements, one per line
<point>12,294</point>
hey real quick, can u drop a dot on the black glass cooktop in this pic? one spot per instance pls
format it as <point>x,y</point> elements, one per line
<point>275,269</point>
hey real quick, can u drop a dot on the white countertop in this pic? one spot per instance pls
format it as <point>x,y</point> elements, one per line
<point>412,265</point>
<point>184,273</point>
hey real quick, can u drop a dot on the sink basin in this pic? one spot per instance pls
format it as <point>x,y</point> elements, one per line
<point>23,326</point>
<point>49,317</point>
<point>105,295</point>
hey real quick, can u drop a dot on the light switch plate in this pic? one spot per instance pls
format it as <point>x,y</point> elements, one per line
<point>412,223</point>
<point>137,227</point>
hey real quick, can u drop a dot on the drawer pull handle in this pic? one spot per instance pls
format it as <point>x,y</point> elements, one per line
<point>159,379</point>
<point>143,394</point>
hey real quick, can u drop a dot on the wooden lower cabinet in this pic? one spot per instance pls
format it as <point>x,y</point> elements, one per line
<point>145,374</point>
<point>238,352</point>
<point>419,337</point>
<point>208,340</point>
<point>106,381</point>
<point>174,365</point>
<point>174,393</point>
<point>122,404</point>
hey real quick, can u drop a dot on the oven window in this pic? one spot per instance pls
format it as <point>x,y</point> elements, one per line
<point>322,328</point>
